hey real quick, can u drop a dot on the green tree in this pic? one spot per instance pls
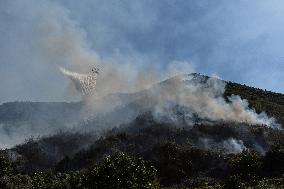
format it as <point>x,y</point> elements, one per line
<point>246,165</point>
<point>274,161</point>
<point>121,171</point>
<point>6,167</point>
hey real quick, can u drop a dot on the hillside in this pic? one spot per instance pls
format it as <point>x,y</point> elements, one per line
<point>261,100</point>
<point>157,146</point>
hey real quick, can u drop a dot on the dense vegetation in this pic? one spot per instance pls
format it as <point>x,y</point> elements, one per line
<point>149,154</point>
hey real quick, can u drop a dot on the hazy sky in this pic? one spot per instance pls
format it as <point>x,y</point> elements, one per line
<point>239,40</point>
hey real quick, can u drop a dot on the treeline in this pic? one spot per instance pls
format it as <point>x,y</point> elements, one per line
<point>245,170</point>
<point>117,171</point>
<point>152,156</point>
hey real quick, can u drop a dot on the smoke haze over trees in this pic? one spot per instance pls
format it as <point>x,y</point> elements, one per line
<point>105,94</point>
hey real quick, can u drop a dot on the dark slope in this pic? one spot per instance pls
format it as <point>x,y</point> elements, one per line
<point>180,155</point>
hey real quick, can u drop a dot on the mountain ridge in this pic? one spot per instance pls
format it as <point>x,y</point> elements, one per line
<point>258,99</point>
<point>186,149</point>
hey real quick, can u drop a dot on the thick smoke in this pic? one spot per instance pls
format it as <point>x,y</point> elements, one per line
<point>230,145</point>
<point>211,35</point>
<point>63,42</point>
<point>204,97</point>
<point>59,40</point>
<point>234,146</point>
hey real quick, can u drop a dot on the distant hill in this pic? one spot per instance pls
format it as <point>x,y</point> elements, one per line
<point>177,126</point>
<point>29,111</point>
<point>20,120</point>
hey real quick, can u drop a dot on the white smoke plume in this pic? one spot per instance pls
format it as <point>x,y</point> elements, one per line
<point>230,145</point>
<point>59,40</point>
<point>204,97</point>
<point>63,42</point>
<point>49,37</point>
<point>234,146</point>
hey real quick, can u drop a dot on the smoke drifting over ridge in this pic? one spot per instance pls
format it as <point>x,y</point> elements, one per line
<point>62,42</point>
<point>59,40</point>
<point>204,97</point>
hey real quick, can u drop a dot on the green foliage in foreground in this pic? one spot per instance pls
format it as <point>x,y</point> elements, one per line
<point>117,171</point>
<point>176,163</point>
<point>236,183</point>
<point>122,171</point>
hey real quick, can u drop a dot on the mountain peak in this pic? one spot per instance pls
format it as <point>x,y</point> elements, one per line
<point>191,78</point>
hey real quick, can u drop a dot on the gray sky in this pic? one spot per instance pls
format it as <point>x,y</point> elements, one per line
<point>238,40</point>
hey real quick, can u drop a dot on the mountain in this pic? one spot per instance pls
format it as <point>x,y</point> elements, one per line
<point>195,98</point>
<point>166,99</point>
<point>29,111</point>
<point>194,131</point>
<point>22,120</point>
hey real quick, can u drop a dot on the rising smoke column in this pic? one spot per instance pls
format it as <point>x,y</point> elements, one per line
<point>204,97</point>
<point>62,41</point>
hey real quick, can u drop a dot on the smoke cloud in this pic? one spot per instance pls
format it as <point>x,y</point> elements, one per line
<point>227,38</point>
<point>230,145</point>
<point>204,97</point>
<point>234,146</point>
<point>64,43</point>
<point>54,39</point>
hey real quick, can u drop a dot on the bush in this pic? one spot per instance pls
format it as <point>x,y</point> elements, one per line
<point>270,183</point>
<point>274,162</point>
<point>234,182</point>
<point>6,167</point>
<point>172,163</point>
<point>121,171</point>
<point>16,181</point>
<point>246,165</point>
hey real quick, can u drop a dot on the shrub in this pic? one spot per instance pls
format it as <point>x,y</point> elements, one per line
<point>274,162</point>
<point>6,167</point>
<point>121,171</point>
<point>246,165</point>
